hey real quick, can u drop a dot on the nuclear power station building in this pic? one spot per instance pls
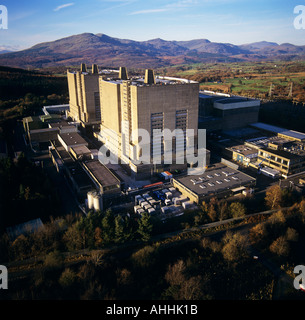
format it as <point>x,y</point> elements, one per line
<point>84,95</point>
<point>149,104</point>
<point>118,108</point>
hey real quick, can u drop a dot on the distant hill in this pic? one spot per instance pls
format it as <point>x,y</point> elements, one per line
<point>105,50</point>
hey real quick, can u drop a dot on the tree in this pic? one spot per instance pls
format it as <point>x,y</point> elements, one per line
<point>27,193</point>
<point>223,210</point>
<point>74,238</point>
<point>68,279</point>
<point>20,247</point>
<point>119,229</point>
<point>277,218</point>
<point>292,235</point>
<point>175,273</point>
<point>302,210</point>
<point>145,257</point>
<point>108,226</point>
<point>234,246</point>
<point>191,289</point>
<point>212,214</point>
<point>274,197</point>
<point>258,233</point>
<point>237,210</point>
<point>98,237</point>
<point>280,247</point>
<point>145,227</point>
<point>54,260</point>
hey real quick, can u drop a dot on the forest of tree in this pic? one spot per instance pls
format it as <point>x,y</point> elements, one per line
<point>117,258</point>
<point>23,93</point>
<point>25,193</point>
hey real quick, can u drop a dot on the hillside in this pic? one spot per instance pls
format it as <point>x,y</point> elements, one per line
<point>108,51</point>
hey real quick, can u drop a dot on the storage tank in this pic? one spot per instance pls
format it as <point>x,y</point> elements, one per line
<point>187,204</point>
<point>97,202</point>
<point>90,200</point>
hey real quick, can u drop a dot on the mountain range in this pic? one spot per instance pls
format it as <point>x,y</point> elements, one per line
<point>114,52</point>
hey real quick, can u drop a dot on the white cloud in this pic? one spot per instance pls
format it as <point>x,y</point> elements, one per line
<point>64,6</point>
<point>148,11</point>
<point>182,4</point>
<point>172,6</point>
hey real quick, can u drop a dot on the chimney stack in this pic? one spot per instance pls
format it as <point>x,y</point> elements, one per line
<point>149,76</point>
<point>94,69</point>
<point>83,67</point>
<point>123,73</point>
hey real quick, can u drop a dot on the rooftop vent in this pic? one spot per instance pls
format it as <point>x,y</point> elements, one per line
<point>83,67</point>
<point>123,73</point>
<point>94,69</point>
<point>149,76</point>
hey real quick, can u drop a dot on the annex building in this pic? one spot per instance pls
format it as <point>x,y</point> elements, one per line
<point>219,181</point>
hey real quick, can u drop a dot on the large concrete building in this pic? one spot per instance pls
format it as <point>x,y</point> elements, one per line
<point>147,103</point>
<point>84,96</point>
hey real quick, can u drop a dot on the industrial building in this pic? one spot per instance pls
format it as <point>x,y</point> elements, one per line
<point>219,111</point>
<point>281,150</point>
<point>72,139</point>
<point>244,154</point>
<point>146,103</point>
<point>84,94</point>
<point>287,161</point>
<point>219,181</point>
<point>280,132</point>
<point>106,182</point>
<point>271,150</point>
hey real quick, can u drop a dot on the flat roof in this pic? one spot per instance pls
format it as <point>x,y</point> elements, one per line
<point>44,130</point>
<point>232,100</point>
<point>159,80</point>
<point>73,138</point>
<point>101,173</point>
<point>81,150</point>
<point>289,133</point>
<point>59,123</point>
<point>282,153</point>
<point>215,180</point>
<point>243,149</point>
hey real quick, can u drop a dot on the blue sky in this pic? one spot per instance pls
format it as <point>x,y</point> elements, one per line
<point>233,21</point>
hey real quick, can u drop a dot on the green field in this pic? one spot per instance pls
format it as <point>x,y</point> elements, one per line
<point>252,79</point>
